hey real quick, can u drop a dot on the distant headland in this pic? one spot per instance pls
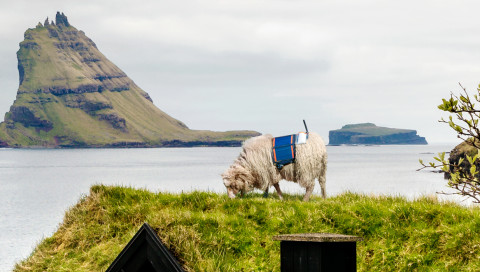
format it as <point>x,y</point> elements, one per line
<point>368,133</point>
<point>71,95</point>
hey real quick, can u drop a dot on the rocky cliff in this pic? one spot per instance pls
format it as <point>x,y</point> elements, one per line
<point>463,150</point>
<point>369,133</point>
<point>71,95</point>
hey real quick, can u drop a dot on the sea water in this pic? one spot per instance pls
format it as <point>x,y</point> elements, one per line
<point>37,186</point>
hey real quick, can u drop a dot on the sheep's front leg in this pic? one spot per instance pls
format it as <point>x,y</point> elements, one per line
<point>279,192</point>
<point>308,193</point>
<point>265,194</point>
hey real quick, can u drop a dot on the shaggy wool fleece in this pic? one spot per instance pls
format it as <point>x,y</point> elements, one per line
<point>254,167</point>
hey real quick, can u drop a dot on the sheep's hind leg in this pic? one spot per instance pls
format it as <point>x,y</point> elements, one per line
<point>279,192</point>
<point>322,179</point>
<point>265,194</point>
<point>308,193</point>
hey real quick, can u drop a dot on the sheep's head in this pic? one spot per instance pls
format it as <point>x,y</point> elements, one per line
<point>235,180</point>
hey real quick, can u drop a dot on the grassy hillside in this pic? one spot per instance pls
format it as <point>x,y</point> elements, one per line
<point>209,232</point>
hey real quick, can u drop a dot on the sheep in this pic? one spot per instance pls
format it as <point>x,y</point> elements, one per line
<point>254,167</point>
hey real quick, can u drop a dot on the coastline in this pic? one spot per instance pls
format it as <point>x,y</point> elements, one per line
<point>169,144</point>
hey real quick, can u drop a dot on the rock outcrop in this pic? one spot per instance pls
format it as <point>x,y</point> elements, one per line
<point>461,151</point>
<point>71,95</point>
<point>369,133</point>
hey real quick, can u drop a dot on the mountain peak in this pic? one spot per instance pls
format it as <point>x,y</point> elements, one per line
<point>61,19</point>
<point>71,95</point>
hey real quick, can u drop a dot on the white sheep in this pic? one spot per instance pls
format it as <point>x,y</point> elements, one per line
<point>254,167</point>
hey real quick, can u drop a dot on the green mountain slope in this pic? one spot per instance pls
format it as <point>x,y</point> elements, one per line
<point>71,95</point>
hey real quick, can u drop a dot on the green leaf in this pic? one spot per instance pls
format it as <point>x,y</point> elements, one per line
<point>470,160</point>
<point>458,129</point>
<point>473,170</point>
<point>442,156</point>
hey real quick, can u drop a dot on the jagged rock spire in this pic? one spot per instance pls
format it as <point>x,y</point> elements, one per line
<point>46,22</point>
<point>61,19</point>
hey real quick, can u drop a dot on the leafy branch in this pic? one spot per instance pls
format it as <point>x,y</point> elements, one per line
<point>463,176</point>
<point>465,112</point>
<point>464,180</point>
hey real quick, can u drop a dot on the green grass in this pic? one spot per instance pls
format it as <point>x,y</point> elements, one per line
<point>209,232</point>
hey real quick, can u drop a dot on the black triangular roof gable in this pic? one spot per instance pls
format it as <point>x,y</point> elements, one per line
<point>146,253</point>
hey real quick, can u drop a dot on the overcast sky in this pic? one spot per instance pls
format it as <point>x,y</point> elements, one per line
<point>266,65</point>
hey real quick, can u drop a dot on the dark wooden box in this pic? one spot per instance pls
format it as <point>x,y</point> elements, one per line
<point>318,252</point>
